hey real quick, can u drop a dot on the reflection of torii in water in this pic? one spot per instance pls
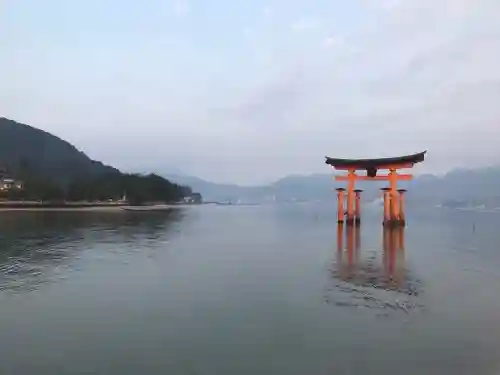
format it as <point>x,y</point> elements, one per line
<point>392,275</point>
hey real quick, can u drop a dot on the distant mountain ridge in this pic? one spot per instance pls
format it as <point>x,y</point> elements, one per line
<point>212,191</point>
<point>293,188</point>
<point>457,187</point>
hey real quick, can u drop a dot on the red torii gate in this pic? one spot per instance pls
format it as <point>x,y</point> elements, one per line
<point>394,214</point>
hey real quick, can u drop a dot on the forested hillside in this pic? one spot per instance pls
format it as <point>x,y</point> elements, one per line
<point>52,168</point>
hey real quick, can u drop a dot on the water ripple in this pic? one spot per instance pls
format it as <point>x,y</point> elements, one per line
<point>38,249</point>
<point>367,285</point>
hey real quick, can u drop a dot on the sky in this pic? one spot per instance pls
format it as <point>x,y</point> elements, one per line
<point>250,91</point>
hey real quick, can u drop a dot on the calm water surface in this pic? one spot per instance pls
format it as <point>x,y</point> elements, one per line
<point>248,290</point>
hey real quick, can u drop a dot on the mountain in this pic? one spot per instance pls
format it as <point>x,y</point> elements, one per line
<point>293,188</point>
<point>458,187</point>
<point>480,186</point>
<point>221,192</point>
<point>53,169</point>
<point>25,147</point>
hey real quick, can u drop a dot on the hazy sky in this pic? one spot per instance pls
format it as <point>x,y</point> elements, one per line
<point>249,91</point>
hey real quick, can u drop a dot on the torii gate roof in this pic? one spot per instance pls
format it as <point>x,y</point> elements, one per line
<point>381,163</point>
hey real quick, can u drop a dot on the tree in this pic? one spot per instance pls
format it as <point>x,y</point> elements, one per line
<point>138,189</point>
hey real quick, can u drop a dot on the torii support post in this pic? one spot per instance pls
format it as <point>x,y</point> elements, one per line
<point>340,205</point>
<point>387,206</point>
<point>351,181</point>
<point>402,214</point>
<point>357,206</point>
<point>393,182</point>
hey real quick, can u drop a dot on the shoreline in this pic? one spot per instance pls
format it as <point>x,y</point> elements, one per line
<point>61,209</point>
<point>86,208</point>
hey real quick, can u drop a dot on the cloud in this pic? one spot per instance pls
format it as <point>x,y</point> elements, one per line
<point>387,5</point>
<point>332,41</point>
<point>304,24</point>
<point>424,77</point>
<point>248,33</point>
<point>394,77</point>
<point>181,7</point>
<point>267,11</point>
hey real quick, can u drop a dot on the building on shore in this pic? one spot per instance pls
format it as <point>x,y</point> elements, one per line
<point>7,184</point>
<point>194,198</point>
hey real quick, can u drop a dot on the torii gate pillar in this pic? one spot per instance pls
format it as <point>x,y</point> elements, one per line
<point>357,206</point>
<point>402,214</point>
<point>387,205</point>
<point>340,205</point>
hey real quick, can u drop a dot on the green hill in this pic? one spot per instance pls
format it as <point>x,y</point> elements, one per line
<point>24,148</point>
<point>52,168</point>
